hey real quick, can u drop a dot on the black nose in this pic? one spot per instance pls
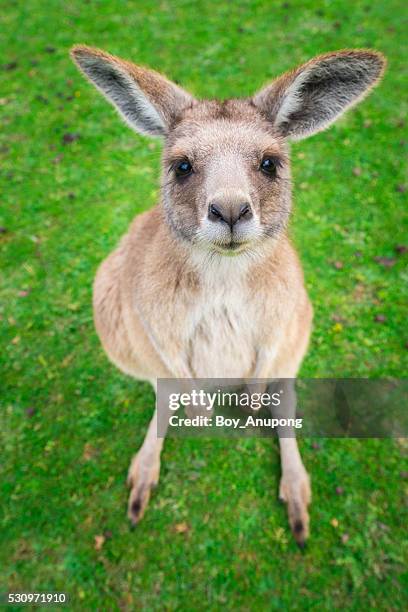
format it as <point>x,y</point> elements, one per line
<point>229,214</point>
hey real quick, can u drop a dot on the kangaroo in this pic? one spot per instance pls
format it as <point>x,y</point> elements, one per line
<point>207,283</point>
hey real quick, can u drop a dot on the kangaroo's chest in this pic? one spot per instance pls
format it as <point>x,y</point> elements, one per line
<point>221,338</point>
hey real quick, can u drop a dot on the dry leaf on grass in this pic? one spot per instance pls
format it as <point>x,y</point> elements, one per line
<point>181,527</point>
<point>89,452</point>
<point>99,542</point>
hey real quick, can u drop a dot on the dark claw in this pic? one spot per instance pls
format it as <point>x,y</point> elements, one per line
<point>298,532</point>
<point>136,507</point>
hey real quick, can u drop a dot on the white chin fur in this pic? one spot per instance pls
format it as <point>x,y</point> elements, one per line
<point>219,236</point>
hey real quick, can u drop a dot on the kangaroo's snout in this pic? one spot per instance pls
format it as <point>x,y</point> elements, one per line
<point>229,217</point>
<point>229,212</point>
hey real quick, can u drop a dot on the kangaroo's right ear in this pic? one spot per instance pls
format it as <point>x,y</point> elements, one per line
<point>146,100</point>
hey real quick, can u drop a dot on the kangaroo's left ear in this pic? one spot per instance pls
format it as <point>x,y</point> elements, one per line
<point>308,99</point>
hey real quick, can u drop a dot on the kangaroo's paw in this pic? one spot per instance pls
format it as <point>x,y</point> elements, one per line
<point>295,491</point>
<point>143,476</point>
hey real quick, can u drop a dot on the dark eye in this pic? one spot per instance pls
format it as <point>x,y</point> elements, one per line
<point>183,168</point>
<point>268,166</point>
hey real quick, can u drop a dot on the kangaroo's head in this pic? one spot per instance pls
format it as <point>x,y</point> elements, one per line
<point>226,175</point>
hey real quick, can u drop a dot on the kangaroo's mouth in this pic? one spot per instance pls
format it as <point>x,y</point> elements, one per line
<point>231,248</point>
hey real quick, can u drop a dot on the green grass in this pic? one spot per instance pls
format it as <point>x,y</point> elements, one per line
<point>70,422</point>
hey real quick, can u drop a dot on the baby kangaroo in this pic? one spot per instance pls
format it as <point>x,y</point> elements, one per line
<point>207,283</point>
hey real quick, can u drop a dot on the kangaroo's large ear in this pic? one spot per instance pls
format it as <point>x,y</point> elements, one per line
<point>309,98</point>
<point>147,101</point>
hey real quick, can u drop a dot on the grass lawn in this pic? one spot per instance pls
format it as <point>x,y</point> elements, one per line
<point>72,177</point>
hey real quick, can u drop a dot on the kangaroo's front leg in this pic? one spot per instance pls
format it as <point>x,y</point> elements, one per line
<point>294,487</point>
<point>144,472</point>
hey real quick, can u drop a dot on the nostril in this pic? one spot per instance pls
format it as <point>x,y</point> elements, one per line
<point>229,214</point>
<point>214,213</point>
<point>245,212</point>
